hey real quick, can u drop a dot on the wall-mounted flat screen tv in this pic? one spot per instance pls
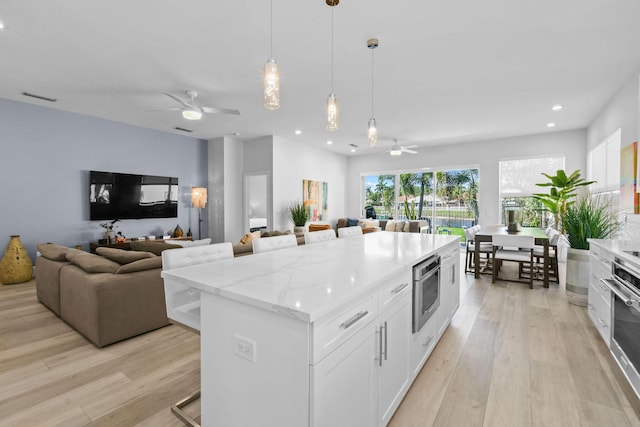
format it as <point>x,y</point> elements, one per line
<point>128,196</point>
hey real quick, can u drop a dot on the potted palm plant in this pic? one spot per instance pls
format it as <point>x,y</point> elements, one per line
<point>590,217</point>
<point>561,194</point>
<point>298,213</point>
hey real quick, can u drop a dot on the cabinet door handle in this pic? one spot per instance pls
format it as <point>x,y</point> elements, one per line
<point>348,323</point>
<point>427,342</point>
<point>398,288</point>
<point>385,340</point>
<point>604,325</point>
<point>379,356</point>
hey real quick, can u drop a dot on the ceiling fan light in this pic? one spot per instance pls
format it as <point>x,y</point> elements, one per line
<point>395,150</point>
<point>372,135</point>
<point>191,114</point>
<point>271,85</point>
<point>333,113</point>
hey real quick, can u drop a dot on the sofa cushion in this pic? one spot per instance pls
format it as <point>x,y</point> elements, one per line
<point>54,252</point>
<point>391,226</point>
<point>189,243</point>
<point>123,257</point>
<point>319,227</point>
<point>92,263</point>
<point>151,246</point>
<point>141,265</point>
<point>274,233</point>
<point>371,223</point>
<point>250,237</point>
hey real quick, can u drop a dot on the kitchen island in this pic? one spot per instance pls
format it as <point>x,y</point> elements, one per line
<point>316,335</point>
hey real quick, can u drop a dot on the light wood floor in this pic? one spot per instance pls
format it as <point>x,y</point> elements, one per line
<point>512,357</point>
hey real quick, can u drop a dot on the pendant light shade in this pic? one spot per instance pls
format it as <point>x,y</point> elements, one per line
<point>372,134</point>
<point>271,84</point>
<point>333,109</point>
<point>333,113</point>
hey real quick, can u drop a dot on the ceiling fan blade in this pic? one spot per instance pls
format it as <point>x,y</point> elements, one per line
<point>181,101</point>
<point>411,146</point>
<point>405,150</point>
<point>168,109</point>
<point>214,110</point>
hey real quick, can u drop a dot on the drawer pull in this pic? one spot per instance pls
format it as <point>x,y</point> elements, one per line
<point>427,342</point>
<point>397,289</point>
<point>604,325</point>
<point>348,323</point>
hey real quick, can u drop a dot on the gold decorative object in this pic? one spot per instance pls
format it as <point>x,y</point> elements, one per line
<point>15,266</point>
<point>178,231</point>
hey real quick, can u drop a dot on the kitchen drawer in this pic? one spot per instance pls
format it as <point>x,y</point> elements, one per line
<point>333,330</point>
<point>394,290</point>
<point>600,267</point>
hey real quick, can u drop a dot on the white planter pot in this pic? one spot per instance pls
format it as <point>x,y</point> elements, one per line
<point>577,276</point>
<point>298,230</point>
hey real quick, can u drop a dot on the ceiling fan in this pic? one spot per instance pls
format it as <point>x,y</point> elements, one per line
<point>397,150</point>
<point>191,110</point>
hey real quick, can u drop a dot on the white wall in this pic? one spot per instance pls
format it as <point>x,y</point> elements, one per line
<point>294,162</point>
<point>621,112</point>
<point>484,155</point>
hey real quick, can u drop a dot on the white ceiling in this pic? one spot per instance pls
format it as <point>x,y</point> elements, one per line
<point>445,72</point>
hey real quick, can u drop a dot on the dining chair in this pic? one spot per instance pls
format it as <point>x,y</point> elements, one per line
<point>183,303</point>
<point>513,248</point>
<point>267,244</point>
<point>538,252</point>
<point>349,231</point>
<point>485,248</point>
<point>319,236</point>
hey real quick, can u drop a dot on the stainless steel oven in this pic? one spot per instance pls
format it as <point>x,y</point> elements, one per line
<point>426,291</point>
<point>625,319</point>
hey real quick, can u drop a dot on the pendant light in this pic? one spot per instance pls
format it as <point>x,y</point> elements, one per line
<point>271,73</point>
<point>333,109</point>
<point>372,134</point>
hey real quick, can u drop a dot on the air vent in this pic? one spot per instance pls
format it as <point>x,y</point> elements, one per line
<point>44,98</point>
<point>183,129</point>
<point>353,145</point>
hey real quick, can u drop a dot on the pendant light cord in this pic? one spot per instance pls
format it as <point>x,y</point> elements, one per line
<point>372,83</point>
<point>271,28</point>
<point>332,50</point>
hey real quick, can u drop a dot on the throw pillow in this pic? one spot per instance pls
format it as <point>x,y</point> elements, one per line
<point>141,265</point>
<point>391,226</point>
<point>250,237</point>
<point>352,222</point>
<point>123,257</point>
<point>371,224</point>
<point>153,247</point>
<point>54,252</point>
<point>407,227</point>
<point>92,263</point>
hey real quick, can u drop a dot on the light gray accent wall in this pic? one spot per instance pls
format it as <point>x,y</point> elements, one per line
<point>45,156</point>
<point>484,155</point>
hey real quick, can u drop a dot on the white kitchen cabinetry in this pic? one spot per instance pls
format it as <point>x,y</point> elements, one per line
<point>599,296</point>
<point>394,335</point>
<point>449,286</point>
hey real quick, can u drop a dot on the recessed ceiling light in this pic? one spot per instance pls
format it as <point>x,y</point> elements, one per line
<point>329,142</point>
<point>551,125</point>
<point>353,150</point>
<point>298,132</point>
<point>557,107</point>
<point>1,25</point>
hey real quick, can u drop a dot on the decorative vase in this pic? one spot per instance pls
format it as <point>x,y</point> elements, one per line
<point>110,236</point>
<point>178,231</point>
<point>577,276</point>
<point>298,230</point>
<point>15,266</point>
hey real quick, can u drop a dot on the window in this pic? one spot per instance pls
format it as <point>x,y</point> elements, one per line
<point>518,179</point>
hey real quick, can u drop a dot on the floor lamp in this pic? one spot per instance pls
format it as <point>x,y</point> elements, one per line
<point>199,201</point>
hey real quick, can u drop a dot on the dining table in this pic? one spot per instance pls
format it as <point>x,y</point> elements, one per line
<point>485,235</point>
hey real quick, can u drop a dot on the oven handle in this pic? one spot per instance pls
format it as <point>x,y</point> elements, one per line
<point>428,275</point>
<point>614,288</point>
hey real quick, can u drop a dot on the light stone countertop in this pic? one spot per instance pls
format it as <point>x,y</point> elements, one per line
<point>309,281</point>
<point>618,248</point>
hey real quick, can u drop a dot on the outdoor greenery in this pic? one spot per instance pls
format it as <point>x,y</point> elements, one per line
<point>533,211</point>
<point>298,213</point>
<point>456,190</point>
<point>589,218</point>
<point>561,194</point>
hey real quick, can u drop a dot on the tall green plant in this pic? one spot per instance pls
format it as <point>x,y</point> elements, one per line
<point>589,218</point>
<point>298,213</point>
<point>561,194</point>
